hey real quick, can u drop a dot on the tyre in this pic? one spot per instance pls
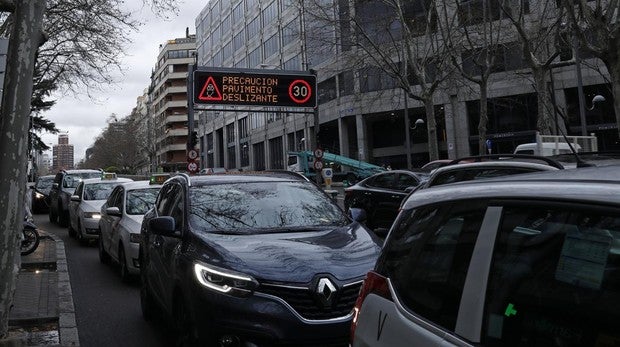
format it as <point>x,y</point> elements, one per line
<point>30,242</point>
<point>71,230</point>
<point>63,218</point>
<point>80,235</point>
<point>122,262</point>
<point>52,215</point>
<point>104,257</point>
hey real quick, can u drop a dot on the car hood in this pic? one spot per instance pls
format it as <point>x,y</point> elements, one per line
<point>91,205</point>
<point>296,257</point>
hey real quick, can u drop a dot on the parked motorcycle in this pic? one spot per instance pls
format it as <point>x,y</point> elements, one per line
<point>30,238</point>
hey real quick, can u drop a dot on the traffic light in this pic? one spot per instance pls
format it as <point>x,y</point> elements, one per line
<point>193,140</point>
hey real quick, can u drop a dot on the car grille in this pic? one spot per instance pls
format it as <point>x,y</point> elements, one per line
<point>304,302</point>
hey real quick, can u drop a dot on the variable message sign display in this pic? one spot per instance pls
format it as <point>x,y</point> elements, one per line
<point>254,88</point>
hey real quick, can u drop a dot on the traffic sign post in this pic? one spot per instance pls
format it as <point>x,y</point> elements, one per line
<point>318,165</point>
<point>318,153</point>
<point>192,167</point>
<point>192,154</point>
<point>328,174</point>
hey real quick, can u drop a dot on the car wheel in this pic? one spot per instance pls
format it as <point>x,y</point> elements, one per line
<point>104,257</point>
<point>80,235</point>
<point>63,218</point>
<point>52,215</point>
<point>146,299</point>
<point>185,328</point>
<point>71,230</point>
<point>122,262</point>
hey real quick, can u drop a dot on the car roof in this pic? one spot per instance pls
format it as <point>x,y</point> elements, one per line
<point>493,165</point>
<point>46,176</point>
<point>247,176</point>
<point>139,185</point>
<point>81,171</point>
<point>116,180</point>
<point>595,185</point>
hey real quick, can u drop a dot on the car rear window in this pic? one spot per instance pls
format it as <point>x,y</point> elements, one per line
<point>98,191</point>
<point>244,208</point>
<point>139,201</point>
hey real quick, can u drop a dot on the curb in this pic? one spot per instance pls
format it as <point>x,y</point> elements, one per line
<point>67,327</point>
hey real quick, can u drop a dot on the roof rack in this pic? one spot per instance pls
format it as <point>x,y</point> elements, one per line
<point>508,156</point>
<point>275,173</point>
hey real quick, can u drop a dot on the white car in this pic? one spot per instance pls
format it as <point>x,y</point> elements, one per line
<point>121,219</point>
<point>85,205</point>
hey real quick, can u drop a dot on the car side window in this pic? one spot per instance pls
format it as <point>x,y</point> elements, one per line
<point>427,257</point>
<point>555,278</point>
<point>404,181</point>
<point>177,210</point>
<point>384,181</point>
<point>79,190</point>
<point>115,198</point>
<point>163,200</point>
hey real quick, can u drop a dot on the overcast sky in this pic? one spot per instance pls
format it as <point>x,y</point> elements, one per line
<point>84,118</point>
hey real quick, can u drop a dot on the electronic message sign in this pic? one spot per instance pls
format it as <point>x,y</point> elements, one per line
<point>254,88</point>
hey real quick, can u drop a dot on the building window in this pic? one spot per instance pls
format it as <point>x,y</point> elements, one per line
<point>507,57</point>
<point>226,26</point>
<point>290,32</point>
<point>241,64</point>
<point>271,46</point>
<point>345,83</point>
<point>270,13</point>
<point>473,11</point>
<point>276,153</point>
<point>216,35</point>
<point>238,13</point>
<point>255,57</point>
<point>293,64</point>
<point>259,155</point>
<point>217,59</point>
<point>254,27</point>
<point>239,40</point>
<point>327,90</point>
<point>227,51</point>
<point>373,78</point>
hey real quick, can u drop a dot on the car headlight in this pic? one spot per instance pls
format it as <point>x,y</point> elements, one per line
<point>92,215</point>
<point>225,281</point>
<point>38,195</point>
<point>134,237</point>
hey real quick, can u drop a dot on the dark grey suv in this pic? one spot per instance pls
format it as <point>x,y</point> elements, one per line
<point>63,187</point>
<point>248,259</point>
<point>525,260</point>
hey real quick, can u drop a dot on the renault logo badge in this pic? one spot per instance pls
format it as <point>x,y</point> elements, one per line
<point>326,291</point>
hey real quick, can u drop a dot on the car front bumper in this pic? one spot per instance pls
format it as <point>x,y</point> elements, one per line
<point>90,228</point>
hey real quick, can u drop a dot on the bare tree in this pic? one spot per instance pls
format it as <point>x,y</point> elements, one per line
<point>596,26</point>
<point>537,25</point>
<point>400,38</point>
<point>475,49</point>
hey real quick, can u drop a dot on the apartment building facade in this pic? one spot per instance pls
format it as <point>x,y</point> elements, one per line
<point>167,104</point>
<point>62,154</point>
<point>361,110</point>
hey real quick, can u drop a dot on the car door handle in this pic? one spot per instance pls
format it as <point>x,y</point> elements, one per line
<point>396,196</point>
<point>367,193</point>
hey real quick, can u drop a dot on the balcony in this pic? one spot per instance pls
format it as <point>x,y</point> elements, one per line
<point>182,118</point>
<point>175,103</point>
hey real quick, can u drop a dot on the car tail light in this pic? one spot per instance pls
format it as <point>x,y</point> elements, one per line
<point>375,284</point>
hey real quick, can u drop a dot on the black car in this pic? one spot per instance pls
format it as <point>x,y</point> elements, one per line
<point>63,187</point>
<point>41,194</point>
<point>252,258</point>
<point>380,195</point>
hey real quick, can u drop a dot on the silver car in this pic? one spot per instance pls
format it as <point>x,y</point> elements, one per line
<point>121,219</point>
<point>85,206</point>
<point>525,260</point>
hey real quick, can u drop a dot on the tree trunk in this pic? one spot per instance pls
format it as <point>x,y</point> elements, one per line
<point>484,119</point>
<point>543,123</point>
<point>14,124</point>
<point>431,128</point>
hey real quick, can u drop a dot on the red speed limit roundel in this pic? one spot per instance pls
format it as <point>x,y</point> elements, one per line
<point>299,91</point>
<point>318,165</point>
<point>192,167</point>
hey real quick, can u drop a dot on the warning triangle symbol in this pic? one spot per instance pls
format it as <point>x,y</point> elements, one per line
<point>210,91</point>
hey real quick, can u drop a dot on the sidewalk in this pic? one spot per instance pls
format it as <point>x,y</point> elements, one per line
<point>43,313</point>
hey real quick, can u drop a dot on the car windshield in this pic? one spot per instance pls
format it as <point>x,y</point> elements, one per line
<point>139,201</point>
<point>98,191</point>
<point>246,208</point>
<point>44,184</point>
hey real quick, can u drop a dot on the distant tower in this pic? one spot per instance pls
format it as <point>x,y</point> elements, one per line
<point>62,154</point>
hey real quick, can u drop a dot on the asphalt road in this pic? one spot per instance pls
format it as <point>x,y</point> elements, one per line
<point>107,310</point>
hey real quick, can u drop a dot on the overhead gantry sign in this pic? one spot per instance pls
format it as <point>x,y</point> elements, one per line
<point>243,87</point>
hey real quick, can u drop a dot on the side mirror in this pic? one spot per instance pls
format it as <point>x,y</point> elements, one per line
<point>162,226</point>
<point>113,211</point>
<point>357,214</point>
<point>76,198</point>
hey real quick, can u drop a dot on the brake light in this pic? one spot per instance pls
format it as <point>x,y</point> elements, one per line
<point>375,284</point>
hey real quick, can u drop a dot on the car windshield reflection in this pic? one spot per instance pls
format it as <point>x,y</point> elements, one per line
<point>250,208</point>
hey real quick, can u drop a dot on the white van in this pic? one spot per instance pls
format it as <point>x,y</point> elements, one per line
<point>546,149</point>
